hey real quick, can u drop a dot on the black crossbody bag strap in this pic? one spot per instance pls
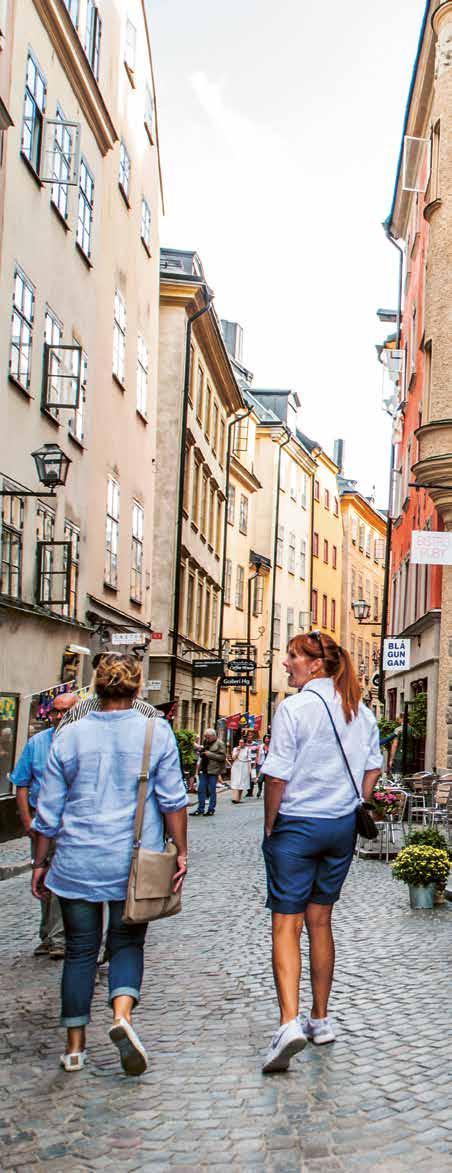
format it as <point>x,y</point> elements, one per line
<point>339,742</point>
<point>365,825</point>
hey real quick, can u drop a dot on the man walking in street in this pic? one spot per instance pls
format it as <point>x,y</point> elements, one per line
<point>27,777</point>
<point>212,763</point>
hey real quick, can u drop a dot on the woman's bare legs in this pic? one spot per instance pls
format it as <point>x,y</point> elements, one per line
<point>286,960</point>
<point>322,955</point>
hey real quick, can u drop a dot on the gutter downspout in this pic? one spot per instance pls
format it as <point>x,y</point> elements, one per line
<point>275,545</point>
<point>385,605</point>
<point>209,299</point>
<point>230,425</point>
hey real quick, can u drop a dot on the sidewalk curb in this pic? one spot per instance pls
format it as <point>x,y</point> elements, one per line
<point>14,869</point>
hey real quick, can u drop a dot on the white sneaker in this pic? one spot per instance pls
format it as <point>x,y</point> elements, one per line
<point>318,1030</point>
<point>286,1042</point>
<point>132,1054</point>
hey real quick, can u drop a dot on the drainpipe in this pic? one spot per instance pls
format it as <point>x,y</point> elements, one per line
<point>385,605</point>
<point>230,425</point>
<point>208,298</point>
<point>272,620</point>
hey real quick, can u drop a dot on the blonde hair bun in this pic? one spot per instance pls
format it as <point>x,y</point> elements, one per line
<point>118,676</point>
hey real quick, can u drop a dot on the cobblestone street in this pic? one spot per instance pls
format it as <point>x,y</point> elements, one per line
<point>379,1098</point>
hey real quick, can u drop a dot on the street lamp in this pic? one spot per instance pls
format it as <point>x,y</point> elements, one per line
<point>52,467</point>
<point>361,609</point>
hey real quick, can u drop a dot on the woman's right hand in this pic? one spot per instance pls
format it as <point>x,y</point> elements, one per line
<point>182,869</point>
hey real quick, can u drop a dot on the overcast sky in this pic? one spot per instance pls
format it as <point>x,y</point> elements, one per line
<point>280,126</point>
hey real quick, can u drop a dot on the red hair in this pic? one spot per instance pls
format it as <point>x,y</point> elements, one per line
<point>337,664</point>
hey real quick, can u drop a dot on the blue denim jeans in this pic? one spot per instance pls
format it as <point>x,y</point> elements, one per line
<point>207,785</point>
<point>83,929</point>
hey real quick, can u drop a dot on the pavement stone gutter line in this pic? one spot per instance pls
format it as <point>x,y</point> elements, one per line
<point>14,858</point>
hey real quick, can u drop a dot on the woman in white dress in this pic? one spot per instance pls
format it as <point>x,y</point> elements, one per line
<point>240,770</point>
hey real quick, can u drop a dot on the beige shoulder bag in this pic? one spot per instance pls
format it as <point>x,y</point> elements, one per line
<point>149,894</point>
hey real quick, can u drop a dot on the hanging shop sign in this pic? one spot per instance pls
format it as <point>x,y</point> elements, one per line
<point>431,548</point>
<point>236,681</point>
<point>154,685</point>
<point>396,655</point>
<point>206,667</point>
<point>132,638</point>
<point>233,722</point>
<point>242,665</point>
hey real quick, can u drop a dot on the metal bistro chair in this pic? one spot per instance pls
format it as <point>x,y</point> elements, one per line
<point>420,800</point>
<point>440,810</point>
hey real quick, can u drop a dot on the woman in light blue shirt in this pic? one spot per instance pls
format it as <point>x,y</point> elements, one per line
<point>87,802</point>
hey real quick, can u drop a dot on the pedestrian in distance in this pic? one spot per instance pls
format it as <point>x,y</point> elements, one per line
<point>310,825</point>
<point>261,775</point>
<point>240,770</point>
<point>254,744</point>
<point>87,803</point>
<point>211,764</point>
<point>27,777</point>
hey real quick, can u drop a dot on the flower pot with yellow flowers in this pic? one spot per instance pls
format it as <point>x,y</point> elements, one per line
<point>424,869</point>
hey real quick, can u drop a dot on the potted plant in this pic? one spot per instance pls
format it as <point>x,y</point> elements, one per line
<point>383,803</point>
<point>186,741</point>
<point>422,868</point>
<point>431,837</point>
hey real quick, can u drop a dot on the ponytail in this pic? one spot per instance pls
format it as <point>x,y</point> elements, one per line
<point>338,666</point>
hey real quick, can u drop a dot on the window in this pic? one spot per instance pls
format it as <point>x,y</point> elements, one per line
<point>293,481</point>
<point>146,224</point>
<point>76,423</point>
<point>214,619</point>
<point>22,329</point>
<point>72,564</point>
<point>34,106</point>
<point>119,338</point>
<point>204,499</point>
<point>362,532</point>
<point>149,113</point>
<point>190,598</point>
<point>315,545</point>
<point>315,606</point>
<point>187,471</point>
<point>336,507</point>
<point>325,551</point>
<point>304,490</point>
<point>45,533</point>
<point>136,566</point>
<point>215,428</point>
<point>112,534</point>
<point>231,505</point>
<point>367,595</point>
<point>207,412</point>
<point>368,542</point>
<point>227,581</point>
<point>413,340</point>
<point>334,561</point>
<point>258,594</point>
<point>200,394</point>
<point>327,498</point>
<point>72,7</point>
<point>212,516</point>
<point>360,657</point>
<point>316,490</point>
<point>142,376</point>
<point>239,587</point>
<point>207,619</point>
<point>291,555</point>
<point>85,208</point>
<point>199,608</point>
<point>61,166</point>
<point>130,51</point>
<point>11,538</point>
<point>221,451</point>
<point>124,171</point>
<point>324,611</point>
<point>354,530</point>
<point>333,614</point>
<point>93,35</point>
<point>280,546</point>
<point>290,624</point>
<point>53,334</point>
<point>303,558</point>
<point>277,627</point>
<point>243,516</point>
<point>353,584</point>
<point>360,587</point>
<point>376,604</point>
<point>195,492</point>
<point>219,532</point>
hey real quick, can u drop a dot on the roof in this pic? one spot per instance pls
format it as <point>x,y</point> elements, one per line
<point>178,261</point>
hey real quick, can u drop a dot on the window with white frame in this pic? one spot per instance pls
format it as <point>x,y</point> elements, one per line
<point>124,171</point>
<point>258,594</point>
<point>142,376</point>
<point>207,618</point>
<point>11,545</point>
<point>303,558</point>
<point>326,498</point>
<point>212,516</point>
<point>130,51</point>
<point>73,7</point>
<point>368,542</point>
<point>76,422</point>
<point>207,411</point>
<point>304,491</point>
<point>204,502</point>
<point>195,492</point>
<point>34,106</point>
<point>215,419</point>
<point>72,556</point>
<point>243,518</point>
<point>21,329</point>
<point>199,610</point>
<point>53,334</point>
<point>136,565</point>
<point>85,208</point>
<point>112,534</point>
<point>61,166</point>
<point>45,532</point>
<point>119,338</point>
<point>227,581</point>
<point>292,553</point>
<point>190,603</point>
<point>93,33</point>
<point>231,505</point>
<point>413,340</point>
<point>290,624</point>
<point>277,627</point>
<point>280,546</point>
<point>149,112</point>
<point>239,587</point>
<point>333,614</point>
<point>293,480</point>
<point>146,224</point>
<point>214,618</point>
<point>362,533</point>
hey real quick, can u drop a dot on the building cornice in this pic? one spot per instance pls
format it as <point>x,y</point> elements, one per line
<point>189,292</point>
<point>65,40</point>
<point>364,509</point>
<point>244,475</point>
<point>416,123</point>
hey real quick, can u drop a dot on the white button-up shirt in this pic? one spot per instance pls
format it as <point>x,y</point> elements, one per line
<point>304,752</point>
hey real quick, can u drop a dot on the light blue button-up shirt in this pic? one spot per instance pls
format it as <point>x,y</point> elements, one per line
<point>88,801</point>
<point>29,771</point>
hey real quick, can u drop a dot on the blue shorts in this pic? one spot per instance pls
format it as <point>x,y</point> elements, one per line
<point>307,861</point>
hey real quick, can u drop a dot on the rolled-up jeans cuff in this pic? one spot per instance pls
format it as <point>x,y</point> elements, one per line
<point>70,1021</point>
<point>124,991</point>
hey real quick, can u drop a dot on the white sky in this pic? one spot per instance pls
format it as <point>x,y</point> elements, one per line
<point>280,126</point>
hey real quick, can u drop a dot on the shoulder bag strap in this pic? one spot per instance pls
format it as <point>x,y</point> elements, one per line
<point>339,742</point>
<point>143,781</point>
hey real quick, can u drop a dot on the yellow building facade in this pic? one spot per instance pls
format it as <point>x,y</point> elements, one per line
<point>363,556</point>
<point>326,601</point>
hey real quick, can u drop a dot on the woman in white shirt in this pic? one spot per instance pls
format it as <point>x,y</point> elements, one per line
<point>240,770</point>
<point>310,824</point>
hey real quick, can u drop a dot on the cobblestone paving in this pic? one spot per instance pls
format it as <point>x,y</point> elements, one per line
<point>379,1098</point>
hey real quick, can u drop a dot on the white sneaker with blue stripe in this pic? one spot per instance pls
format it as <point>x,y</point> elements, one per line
<point>287,1041</point>
<point>318,1030</point>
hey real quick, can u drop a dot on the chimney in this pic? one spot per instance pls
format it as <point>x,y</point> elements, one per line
<point>233,337</point>
<point>338,455</point>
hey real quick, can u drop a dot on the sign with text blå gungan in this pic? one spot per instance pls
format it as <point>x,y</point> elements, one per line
<point>431,548</point>
<point>396,655</point>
